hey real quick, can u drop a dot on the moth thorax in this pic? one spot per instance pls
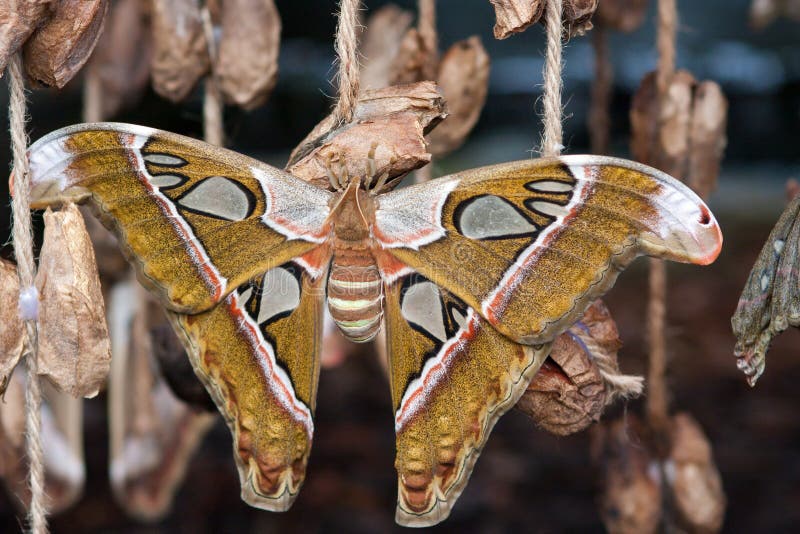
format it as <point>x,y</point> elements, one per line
<point>355,294</point>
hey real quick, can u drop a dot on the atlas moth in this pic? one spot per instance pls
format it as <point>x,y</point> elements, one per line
<point>472,275</point>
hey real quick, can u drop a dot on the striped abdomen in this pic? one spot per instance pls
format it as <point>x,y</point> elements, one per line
<point>355,293</point>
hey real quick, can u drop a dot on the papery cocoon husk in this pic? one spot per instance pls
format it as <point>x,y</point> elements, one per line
<point>74,349</point>
<point>514,16</point>
<point>693,478</point>
<point>644,121</point>
<point>389,123</point>
<point>630,499</point>
<point>246,66</point>
<point>121,61</point>
<point>569,392</point>
<point>62,441</point>
<point>12,330</point>
<point>763,12</point>
<point>59,48</point>
<point>381,44</point>
<point>660,130</point>
<point>464,80</point>
<point>62,445</point>
<point>153,434</point>
<point>18,20</point>
<point>180,55</point>
<point>707,137</point>
<point>683,133</point>
<point>578,16</point>
<point>622,15</point>
<point>675,120</point>
<point>414,61</point>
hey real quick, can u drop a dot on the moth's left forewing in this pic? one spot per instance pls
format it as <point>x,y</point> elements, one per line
<point>531,244</point>
<point>452,376</point>
<point>196,220</point>
<point>258,355</point>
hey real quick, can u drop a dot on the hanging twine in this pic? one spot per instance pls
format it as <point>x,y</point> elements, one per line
<point>599,116</point>
<point>657,397</point>
<point>92,94</point>
<point>552,139</point>
<point>426,26</point>
<point>617,384</point>
<point>29,296</point>
<point>347,52</point>
<point>213,125</point>
<point>665,42</point>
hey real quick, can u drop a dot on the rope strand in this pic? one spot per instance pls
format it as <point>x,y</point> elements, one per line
<point>26,267</point>
<point>347,51</point>
<point>552,141</point>
<point>213,107</point>
<point>658,397</point>
<point>426,26</point>
<point>599,116</point>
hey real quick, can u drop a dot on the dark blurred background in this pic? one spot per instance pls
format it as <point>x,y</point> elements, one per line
<point>526,479</point>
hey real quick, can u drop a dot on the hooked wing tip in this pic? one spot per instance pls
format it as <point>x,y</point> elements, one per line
<point>709,237</point>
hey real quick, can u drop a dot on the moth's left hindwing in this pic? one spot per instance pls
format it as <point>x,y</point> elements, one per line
<point>530,244</point>
<point>258,355</point>
<point>197,220</point>
<point>452,376</point>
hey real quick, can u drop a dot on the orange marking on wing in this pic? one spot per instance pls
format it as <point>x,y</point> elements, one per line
<point>390,267</point>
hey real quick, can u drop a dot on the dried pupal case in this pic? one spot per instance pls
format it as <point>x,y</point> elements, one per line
<point>763,12</point>
<point>12,330</point>
<point>180,56</point>
<point>120,64</point>
<point>515,16</point>
<point>693,478</point>
<point>74,349</point>
<point>622,15</point>
<point>630,476</point>
<point>462,73</point>
<point>580,377</point>
<point>246,66</point>
<point>153,434</point>
<point>707,137</point>
<point>414,61</point>
<point>567,394</point>
<point>59,48</point>
<point>463,76</point>
<point>770,301</point>
<point>62,445</point>
<point>388,128</point>
<point>381,44</point>
<point>19,20</point>
<point>683,134</point>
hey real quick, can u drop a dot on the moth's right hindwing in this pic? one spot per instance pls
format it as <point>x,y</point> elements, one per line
<point>452,376</point>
